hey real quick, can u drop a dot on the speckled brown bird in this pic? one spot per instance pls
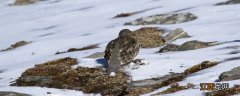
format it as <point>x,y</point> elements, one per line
<point>121,51</point>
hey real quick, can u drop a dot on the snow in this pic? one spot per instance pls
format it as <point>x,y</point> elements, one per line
<point>77,23</point>
<point>112,74</point>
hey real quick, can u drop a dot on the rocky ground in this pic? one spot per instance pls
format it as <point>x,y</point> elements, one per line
<point>56,47</point>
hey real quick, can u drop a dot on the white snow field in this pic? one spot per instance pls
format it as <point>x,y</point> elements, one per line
<point>57,25</point>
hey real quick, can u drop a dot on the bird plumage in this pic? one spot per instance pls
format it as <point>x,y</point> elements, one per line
<point>121,51</point>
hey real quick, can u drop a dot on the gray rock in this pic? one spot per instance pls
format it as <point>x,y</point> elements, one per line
<point>169,47</point>
<point>8,93</point>
<point>157,81</point>
<point>2,70</point>
<point>229,2</point>
<point>36,80</point>
<point>96,55</point>
<point>176,34</point>
<point>164,19</point>
<point>234,52</point>
<point>190,45</point>
<point>230,75</point>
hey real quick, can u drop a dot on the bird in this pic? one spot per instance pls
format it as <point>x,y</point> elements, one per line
<point>121,51</point>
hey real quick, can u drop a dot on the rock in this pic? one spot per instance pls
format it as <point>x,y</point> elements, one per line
<point>49,93</point>
<point>169,47</point>
<point>189,45</point>
<point>176,34</point>
<point>2,70</point>
<point>149,37</point>
<point>41,81</point>
<point>229,2</point>
<point>136,88</point>
<point>158,82</point>
<point>8,93</point>
<point>121,51</point>
<point>234,52</point>
<point>135,64</point>
<point>174,89</point>
<point>96,55</point>
<point>232,58</point>
<point>233,74</point>
<point>171,18</point>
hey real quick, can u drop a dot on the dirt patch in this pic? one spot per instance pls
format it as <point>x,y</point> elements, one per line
<point>231,91</point>
<point>16,45</point>
<point>79,49</point>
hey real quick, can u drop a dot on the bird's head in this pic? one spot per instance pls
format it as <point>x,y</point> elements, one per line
<point>125,32</point>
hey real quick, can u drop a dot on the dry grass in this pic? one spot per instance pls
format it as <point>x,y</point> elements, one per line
<point>138,91</point>
<point>23,2</point>
<point>16,45</point>
<point>149,37</point>
<point>199,67</point>
<point>80,49</point>
<point>51,68</point>
<point>124,15</point>
<point>104,84</point>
